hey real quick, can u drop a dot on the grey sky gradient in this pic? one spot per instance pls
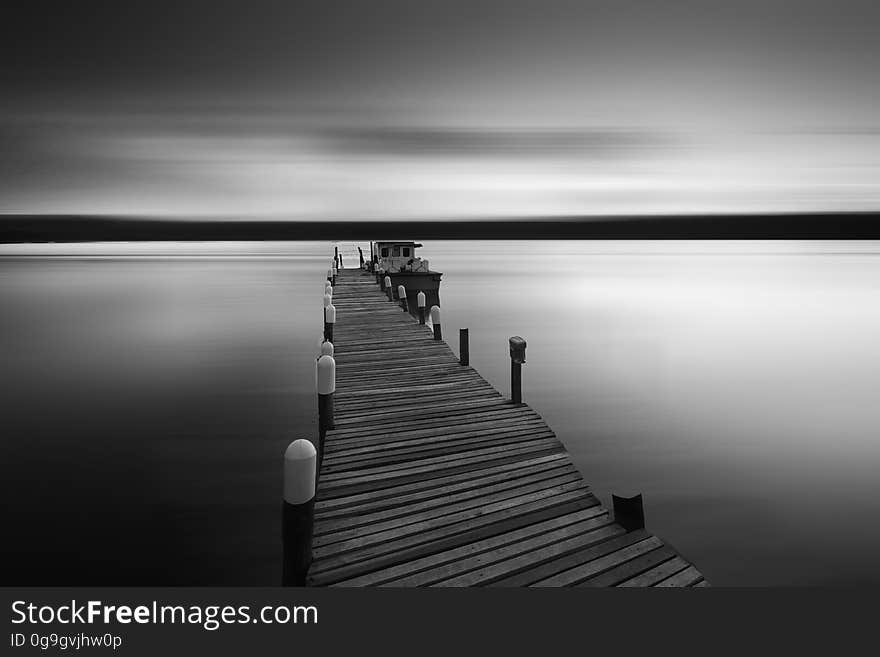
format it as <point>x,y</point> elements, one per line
<point>414,108</point>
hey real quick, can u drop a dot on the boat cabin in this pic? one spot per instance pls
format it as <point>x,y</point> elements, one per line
<point>398,256</point>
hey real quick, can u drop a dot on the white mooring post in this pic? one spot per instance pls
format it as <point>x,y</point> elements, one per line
<point>327,349</point>
<point>326,384</point>
<point>330,316</point>
<point>421,300</point>
<point>328,299</point>
<point>401,294</point>
<point>330,275</point>
<point>298,511</point>
<point>435,320</point>
<point>388,288</point>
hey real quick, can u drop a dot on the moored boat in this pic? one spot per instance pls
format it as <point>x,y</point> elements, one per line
<point>398,260</point>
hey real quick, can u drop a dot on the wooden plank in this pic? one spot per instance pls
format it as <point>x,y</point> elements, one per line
<point>686,577</point>
<point>384,532</point>
<point>595,566</point>
<point>657,573</point>
<point>431,541</point>
<point>337,461</point>
<point>330,477</point>
<point>620,573</point>
<point>334,445</point>
<point>471,570</point>
<point>396,573</point>
<point>363,484</point>
<point>355,526</point>
<point>471,489</point>
<point>531,576</point>
<point>441,484</point>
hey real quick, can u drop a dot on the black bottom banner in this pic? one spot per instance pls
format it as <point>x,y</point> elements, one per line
<point>172,621</point>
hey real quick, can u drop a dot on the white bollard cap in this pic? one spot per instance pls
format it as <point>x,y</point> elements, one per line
<point>300,464</point>
<point>401,291</point>
<point>435,314</point>
<point>326,375</point>
<point>331,314</point>
<point>328,285</point>
<point>327,348</point>
<point>422,300</point>
<point>387,281</point>
<point>327,299</point>
<point>330,273</point>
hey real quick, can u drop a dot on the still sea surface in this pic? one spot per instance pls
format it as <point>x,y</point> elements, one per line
<point>149,391</point>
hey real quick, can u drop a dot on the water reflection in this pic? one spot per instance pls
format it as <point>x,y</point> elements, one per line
<point>733,384</point>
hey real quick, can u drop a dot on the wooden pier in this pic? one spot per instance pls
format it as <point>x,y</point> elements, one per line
<point>431,477</point>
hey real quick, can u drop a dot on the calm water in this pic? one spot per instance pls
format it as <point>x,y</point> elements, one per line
<point>148,397</point>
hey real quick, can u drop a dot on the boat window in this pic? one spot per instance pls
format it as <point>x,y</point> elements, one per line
<point>396,252</point>
<point>406,252</point>
<point>384,251</point>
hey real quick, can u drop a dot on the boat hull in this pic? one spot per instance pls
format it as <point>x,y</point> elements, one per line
<point>415,282</point>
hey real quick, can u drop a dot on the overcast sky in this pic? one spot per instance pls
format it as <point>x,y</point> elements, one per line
<point>430,109</point>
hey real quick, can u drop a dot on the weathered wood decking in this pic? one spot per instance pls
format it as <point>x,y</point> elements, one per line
<point>433,478</point>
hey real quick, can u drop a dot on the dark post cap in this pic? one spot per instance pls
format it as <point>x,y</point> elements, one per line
<point>517,349</point>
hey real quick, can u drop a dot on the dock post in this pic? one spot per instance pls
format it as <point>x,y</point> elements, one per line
<point>464,348</point>
<point>330,275</point>
<point>421,300</point>
<point>387,288</point>
<point>327,349</point>
<point>401,294</point>
<point>435,320</point>
<point>298,511</point>
<point>330,321</point>
<point>629,512</point>
<point>328,299</point>
<point>326,384</point>
<point>517,358</point>
<point>334,270</point>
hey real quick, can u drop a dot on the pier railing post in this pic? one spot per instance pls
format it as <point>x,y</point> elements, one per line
<point>326,384</point>
<point>330,275</point>
<point>517,358</point>
<point>334,270</point>
<point>330,321</point>
<point>298,511</point>
<point>401,294</point>
<point>421,301</point>
<point>435,322</point>
<point>629,512</point>
<point>387,288</point>
<point>464,348</point>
